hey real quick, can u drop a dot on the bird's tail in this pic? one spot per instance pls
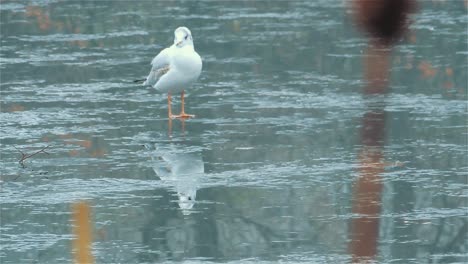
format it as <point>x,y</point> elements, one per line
<point>140,81</point>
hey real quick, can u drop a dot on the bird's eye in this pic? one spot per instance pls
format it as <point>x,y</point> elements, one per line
<point>190,198</point>
<point>186,37</point>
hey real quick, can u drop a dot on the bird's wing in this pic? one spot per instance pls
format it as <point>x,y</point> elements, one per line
<point>160,66</point>
<point>162,167</point>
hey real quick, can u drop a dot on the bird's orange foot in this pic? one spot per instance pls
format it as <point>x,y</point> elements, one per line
<point>182,116</point>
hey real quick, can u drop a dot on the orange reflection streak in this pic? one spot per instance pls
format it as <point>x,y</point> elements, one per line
<point>45,23</point>
<point>449,71</point>
<point>82,230</point>
<point>16,108</point>
<point>182,121</point>
<point>169,126</point>
<point>43,19</point>
<point>427,70</point>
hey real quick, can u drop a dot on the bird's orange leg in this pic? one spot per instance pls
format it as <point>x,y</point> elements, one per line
<point>182,109</point>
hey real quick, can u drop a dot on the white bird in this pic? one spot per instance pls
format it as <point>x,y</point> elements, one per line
<point>175,68</point>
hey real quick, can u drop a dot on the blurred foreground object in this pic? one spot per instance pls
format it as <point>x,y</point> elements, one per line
<point>386,21</point>
<point>82,232</point>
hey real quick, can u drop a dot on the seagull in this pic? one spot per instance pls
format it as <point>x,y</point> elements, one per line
<point>175,68</point>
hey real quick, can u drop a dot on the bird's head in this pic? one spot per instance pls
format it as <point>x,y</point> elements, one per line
<point>182,37</point>
<point>186,200</point>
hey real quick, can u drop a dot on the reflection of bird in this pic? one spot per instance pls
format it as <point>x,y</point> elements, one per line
<point>175,68</point>
<point>183,171</point>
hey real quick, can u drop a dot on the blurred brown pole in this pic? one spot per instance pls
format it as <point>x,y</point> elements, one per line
<point>368,189</point>
<point>82,230</point>
<point>385,22</point>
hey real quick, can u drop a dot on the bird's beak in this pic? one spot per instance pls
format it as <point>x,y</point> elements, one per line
<point>178,40</point>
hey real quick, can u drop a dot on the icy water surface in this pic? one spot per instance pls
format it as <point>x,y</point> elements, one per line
<point>283,158</point>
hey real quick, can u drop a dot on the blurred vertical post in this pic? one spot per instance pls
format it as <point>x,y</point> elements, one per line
<point>82,231</point>
<point>385,22</point>
<point>368,187</point>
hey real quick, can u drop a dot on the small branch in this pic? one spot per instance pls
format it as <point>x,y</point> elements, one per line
<point>16,176</point>
<point>27,156</point>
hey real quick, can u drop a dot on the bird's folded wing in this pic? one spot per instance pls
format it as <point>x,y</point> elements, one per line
<point>160,65</point>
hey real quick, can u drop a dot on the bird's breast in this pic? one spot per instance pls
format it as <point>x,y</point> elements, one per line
<point>188,63</point>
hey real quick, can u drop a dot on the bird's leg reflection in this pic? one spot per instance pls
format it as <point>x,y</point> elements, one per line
<point>169,100</point>
<point>182,121</point>
<point>169,126</point>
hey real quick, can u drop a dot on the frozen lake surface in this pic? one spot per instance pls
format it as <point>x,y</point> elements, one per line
<point>271,169</point>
